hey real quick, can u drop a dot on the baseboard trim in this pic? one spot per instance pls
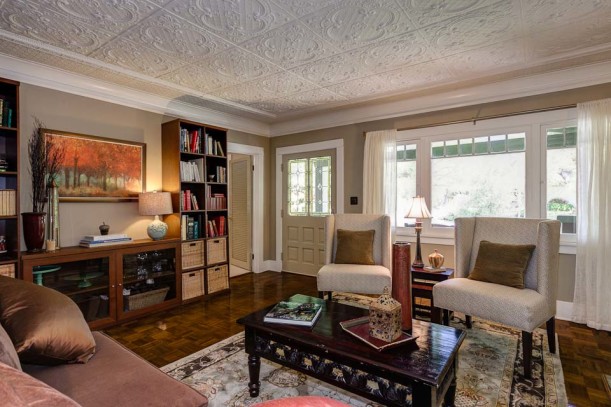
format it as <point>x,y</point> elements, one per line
<point>272,265</point>
<point>564,310</point>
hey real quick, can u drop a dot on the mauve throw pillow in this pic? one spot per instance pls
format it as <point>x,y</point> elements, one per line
<point>502,263</point>
<point>46,327</point>
<point>8,354</point>
<point>18,389</point>
<point>354,247</point>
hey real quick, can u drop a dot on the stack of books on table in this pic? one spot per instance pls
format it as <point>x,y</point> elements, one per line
<point>104,240</point>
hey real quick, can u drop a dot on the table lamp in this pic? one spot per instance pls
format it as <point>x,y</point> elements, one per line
<point>155,203</point>
<point>418,211</point>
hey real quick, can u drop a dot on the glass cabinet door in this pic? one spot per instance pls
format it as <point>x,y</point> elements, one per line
<point>86,282</point>
<point>149,278</point>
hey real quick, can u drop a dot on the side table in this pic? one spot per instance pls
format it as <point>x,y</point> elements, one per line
<point>423,306</point>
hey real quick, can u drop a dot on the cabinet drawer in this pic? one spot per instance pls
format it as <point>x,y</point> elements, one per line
<point>217,250</point>
<point>192,255</point>
<point>192,284</point>
<point>218,278</point>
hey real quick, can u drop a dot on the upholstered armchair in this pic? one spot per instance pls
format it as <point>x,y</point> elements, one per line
<point>524,309</point>
<point>357,278</point>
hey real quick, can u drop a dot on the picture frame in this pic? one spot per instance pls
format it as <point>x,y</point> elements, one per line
<point>98,169</point>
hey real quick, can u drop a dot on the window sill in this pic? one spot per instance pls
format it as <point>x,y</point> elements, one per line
<point>565,247</point>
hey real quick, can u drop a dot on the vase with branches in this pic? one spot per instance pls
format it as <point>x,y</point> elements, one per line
<point>45,159</point>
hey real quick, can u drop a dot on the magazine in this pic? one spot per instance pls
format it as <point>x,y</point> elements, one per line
<point>294,313</point>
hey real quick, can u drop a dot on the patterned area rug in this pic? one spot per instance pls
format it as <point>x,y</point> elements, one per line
<point>490,366</point>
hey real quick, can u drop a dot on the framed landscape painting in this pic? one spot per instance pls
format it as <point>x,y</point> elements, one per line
<point>98,169</point>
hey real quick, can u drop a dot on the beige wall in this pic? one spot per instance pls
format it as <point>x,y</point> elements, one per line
<point>354,145</point>
<point>76,114</point>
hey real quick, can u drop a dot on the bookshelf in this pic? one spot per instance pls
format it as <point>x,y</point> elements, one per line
<point>194,171</point>
<point>9,178</point>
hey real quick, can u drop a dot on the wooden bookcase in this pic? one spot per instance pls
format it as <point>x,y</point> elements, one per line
<point>114,283</point>
<point>9,178</point>
<point>194,170</point>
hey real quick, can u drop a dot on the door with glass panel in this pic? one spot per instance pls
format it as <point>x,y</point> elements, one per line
<point>308,195</point>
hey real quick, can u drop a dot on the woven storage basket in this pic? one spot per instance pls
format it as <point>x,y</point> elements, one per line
<point>218,278</point>
<point>192,254</point>
<point>192,284</point>
<point>147,298</point>
<point>217,250</point>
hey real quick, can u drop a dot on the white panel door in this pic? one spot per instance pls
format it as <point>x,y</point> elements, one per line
<point>308,196</point>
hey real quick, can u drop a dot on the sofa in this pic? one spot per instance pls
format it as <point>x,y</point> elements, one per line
<point>48,356</point>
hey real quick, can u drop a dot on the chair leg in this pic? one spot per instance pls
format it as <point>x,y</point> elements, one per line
<point>445,319</point>
<point>330,295</point>
<point>321,294</point>
<point>527,348</point>
<point>469,321</point>
<point>551,334</point>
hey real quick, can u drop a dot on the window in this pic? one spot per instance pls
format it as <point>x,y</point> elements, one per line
<point>406,181</point>
<point>460,186</point>
<point>518,166</point>
<point>561,194</point>
<point>309,189</point>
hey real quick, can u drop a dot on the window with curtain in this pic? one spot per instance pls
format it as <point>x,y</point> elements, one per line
<point>561,172</point>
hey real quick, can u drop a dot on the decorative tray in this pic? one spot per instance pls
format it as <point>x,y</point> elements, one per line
<point>359,328</point>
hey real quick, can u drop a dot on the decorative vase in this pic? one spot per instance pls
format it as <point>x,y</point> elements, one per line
<point>34,230</point>
<point>53,217</point>
<point>401,286</point>
<point>436,259</point>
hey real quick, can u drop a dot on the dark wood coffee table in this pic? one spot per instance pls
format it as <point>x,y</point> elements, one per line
<point>420,373</point>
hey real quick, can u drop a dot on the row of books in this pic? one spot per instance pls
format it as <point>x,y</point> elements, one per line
<point>188,201</point>
<point>221,174</point>
<point>217,226</point>
<point>7,270</point>
<point>189,227</point>
<point>191,140</point>
<point>214,147</point>
<point>6,113</point>
<point>215,201</point>
<point>104,240</point>
<point>7,202</point>
<point>192,171</point>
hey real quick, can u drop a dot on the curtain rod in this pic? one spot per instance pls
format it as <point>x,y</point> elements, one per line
<point>494,116</point>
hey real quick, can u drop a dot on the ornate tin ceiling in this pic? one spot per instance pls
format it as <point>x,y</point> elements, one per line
<point>282,58</point>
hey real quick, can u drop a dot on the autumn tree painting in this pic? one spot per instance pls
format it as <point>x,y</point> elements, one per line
<point>98,168</point>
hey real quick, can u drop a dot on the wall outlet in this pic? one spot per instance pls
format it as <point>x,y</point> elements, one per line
<point>354,200</point>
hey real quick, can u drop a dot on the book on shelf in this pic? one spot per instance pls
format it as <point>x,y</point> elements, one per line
<point>359,328</point>
<point>89,244</point>
<point>98,238</point>
<point>294,313</point>
<point>189,228</point>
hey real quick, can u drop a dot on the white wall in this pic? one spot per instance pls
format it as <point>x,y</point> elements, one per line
<point>76,114</point>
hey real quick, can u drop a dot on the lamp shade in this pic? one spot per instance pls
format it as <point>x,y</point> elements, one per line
<point>155,203</point>
<point>418,209</point>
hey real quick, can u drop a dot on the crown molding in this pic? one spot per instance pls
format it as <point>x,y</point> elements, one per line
<point>47,77</point>
<point>588,75</point>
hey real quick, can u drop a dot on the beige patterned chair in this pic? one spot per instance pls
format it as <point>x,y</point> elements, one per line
<point>525,309</point>
<point>357,278</point>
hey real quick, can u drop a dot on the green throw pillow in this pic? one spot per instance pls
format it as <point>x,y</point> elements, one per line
<point>354,247</point>
<point>502,263</point>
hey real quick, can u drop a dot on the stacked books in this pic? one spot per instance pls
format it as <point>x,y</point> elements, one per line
<point>104,240</point>
<point>294,313</point>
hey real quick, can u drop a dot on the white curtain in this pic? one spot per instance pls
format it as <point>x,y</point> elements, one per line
<point>380,173</point>
<point>592,297</point>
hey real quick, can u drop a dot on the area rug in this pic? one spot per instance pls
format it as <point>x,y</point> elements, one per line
<point>489,374</point>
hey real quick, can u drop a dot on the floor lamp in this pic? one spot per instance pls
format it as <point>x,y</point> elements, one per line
<point>418,211</point>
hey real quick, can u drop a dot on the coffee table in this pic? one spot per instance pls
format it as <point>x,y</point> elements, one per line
<point>422,372</point>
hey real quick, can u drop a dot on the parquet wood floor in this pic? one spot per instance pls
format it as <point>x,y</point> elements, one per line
<point>167,336</point>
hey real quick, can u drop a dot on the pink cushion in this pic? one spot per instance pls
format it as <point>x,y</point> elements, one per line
<point>303,401</point>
